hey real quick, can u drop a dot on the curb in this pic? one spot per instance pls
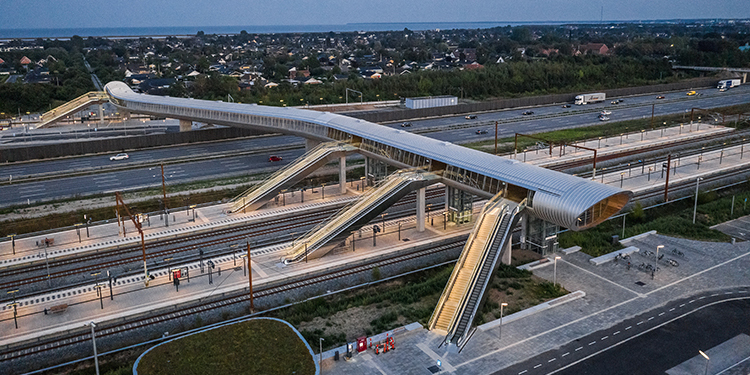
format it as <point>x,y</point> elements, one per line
<point>309,349</point>
<point>534,309</point>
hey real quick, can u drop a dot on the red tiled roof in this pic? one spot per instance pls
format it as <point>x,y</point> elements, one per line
<point>25,61</point>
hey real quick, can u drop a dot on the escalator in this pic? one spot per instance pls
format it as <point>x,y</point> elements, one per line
<point>261,193</point>
<point>358,213</point>
<point>463,294</point>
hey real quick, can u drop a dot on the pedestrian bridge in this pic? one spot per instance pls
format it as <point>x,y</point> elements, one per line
<point>513,188</point>
<point>565,200</point>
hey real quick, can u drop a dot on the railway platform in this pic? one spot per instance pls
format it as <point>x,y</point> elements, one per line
<point>128,297</point>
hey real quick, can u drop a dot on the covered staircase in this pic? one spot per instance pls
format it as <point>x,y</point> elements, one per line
<point>73,106</point>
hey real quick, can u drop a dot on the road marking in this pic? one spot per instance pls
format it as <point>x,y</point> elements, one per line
<point>728,293</point>
<point>691,301</point>
<point>605,337</point>
<point>564,354</point>
<point>538,366</point>
<point>523,372</point>
<point>579,348</point>
<point>592,343</point>
<point>603,278</point>
<point>639,323</point>
<point>661,313</point>
<point>682,305</point>
<point>552,360</point>
<point>628,327</point>
<point>672,309</point>
<point>616,333</point>
<point>650,318</point>
<point>643,333</point>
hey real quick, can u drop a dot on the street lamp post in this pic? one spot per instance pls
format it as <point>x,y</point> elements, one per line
<point>169,267</point>
<point>554,273</point>
<point>382,219</point>
<point>656,262</point>
<point>111,280</point>
<point>15,308</point>
<point>93,340</point>
<point>695,207</point>
<point>708,360</point>
<point>500,332</point>
<point>98,288</point>
<point>320,354</point>
<point>13,242</point>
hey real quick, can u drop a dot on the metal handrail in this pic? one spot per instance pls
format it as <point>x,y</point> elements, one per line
<point>398,177</point>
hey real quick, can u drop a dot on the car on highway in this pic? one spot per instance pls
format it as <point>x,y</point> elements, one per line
<point>121,156</point>
<point>527,113</point>
<point>566,105</point>
<point>605,113</point>
<point>691,93</point>
<point>405,124</point>
<point>481,132</point>
<point>470,117</point>
<point>274,158</point>
<point>660,97</point>
<point>603,118</point>
<point>615,102</point>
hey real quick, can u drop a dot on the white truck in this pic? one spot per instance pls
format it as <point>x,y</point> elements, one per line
<point>725,84</point>
<point>590,98</point>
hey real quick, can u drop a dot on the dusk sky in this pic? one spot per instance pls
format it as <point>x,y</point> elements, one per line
<point>147,13</point>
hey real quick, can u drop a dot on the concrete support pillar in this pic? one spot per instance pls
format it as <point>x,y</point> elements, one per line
<point>505,256</point>
<point>367,171</point>
<point>420,209</point>
<point>342,174</point>
<point>186,125</point>
<point>447,204</point>
<point>524,221</point>
<point>311,144</point>
<point>101,113</point>
<point>744,77</point>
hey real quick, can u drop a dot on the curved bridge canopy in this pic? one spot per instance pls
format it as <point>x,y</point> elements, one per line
<point>568,201</point>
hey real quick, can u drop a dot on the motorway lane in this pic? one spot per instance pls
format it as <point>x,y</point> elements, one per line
<point>149,175</point>
<point>652,342</point>
<point>144,156</point>
<point>104,182</point>
<point>676,102</point>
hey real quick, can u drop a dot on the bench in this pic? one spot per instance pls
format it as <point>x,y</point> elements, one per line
<point>58,308</point>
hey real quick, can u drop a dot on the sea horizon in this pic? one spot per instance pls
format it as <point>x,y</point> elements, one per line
<point>121,32</point>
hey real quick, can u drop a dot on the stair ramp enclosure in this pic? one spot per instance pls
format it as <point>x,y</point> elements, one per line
<point>358,213</point>
<point>462,296</point>
<point>73,106</point>
<point>259,194</point>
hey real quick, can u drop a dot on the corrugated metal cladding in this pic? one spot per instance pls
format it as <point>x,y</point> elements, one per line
<point>431,101</point>
<point>558,198</point>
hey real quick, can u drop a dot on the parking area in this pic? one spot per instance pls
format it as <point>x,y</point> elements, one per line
<point>738,228</point>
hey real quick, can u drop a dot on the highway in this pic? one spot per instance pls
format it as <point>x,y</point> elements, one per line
<point>23,192</point>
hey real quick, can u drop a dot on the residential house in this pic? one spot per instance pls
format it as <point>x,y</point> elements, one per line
<point>594,49</point>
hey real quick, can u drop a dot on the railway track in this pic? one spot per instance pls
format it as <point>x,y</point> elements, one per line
<point>108,329</point>
<point>174,246</point>
<point>588,161</point>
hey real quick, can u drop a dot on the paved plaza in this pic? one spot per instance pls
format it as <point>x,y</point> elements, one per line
<point>613,291</point>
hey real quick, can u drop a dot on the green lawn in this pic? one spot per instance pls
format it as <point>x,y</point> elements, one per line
<point>258,346</point>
